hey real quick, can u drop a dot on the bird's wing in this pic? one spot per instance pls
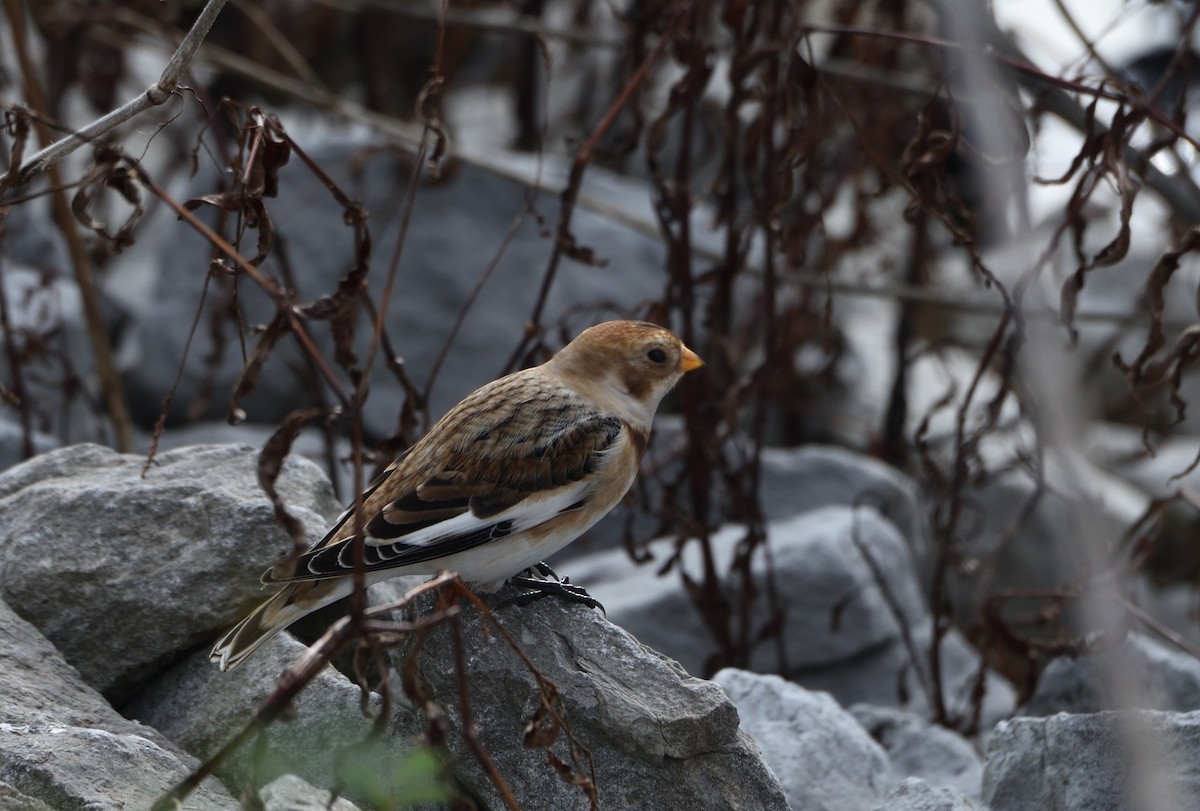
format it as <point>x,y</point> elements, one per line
<point>492,467</point>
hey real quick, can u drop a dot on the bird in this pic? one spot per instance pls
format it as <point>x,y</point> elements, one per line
<point>517,470</point>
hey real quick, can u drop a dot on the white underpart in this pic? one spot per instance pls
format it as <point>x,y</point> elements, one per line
<point>524,514</point>
<point>489,564</point>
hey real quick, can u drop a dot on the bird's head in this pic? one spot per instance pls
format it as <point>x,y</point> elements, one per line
<point>627,365</point>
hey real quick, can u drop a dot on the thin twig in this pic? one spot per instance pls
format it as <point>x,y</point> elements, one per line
<point>469,734</point>
<point>155,95</point>
<point>563,240</point>
<point>282,45</point>
<point>1069,19</point>
<point>266,283</point>
<point>1169,634</point>
<point>81,262</point>
<point>11,352</point>
<point>1177,190</point>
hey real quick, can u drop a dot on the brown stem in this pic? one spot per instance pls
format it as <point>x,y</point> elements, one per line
<point>583,157</point>
<point>14,367</point>
<point>110,381</point>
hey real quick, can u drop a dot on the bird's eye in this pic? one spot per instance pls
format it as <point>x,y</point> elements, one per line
<point>656,355</point>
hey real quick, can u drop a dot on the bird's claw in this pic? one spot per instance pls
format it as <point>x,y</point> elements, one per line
<point>550,584</point>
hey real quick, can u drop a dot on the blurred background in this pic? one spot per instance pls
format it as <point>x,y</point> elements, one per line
<point>956,240</point>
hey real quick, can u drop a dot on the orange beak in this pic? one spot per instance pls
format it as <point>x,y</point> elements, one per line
<point>689,360</point>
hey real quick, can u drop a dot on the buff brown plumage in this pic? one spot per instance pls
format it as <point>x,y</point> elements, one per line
<point>517,470</point>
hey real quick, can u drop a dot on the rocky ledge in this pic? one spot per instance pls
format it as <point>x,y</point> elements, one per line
<point>114,584</point>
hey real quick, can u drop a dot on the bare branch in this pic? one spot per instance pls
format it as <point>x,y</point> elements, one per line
<point>155,95</point>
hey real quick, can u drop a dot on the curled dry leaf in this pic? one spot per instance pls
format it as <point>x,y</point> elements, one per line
<point>270,463</point>
<point>279,326</point>
<point>110,170</point>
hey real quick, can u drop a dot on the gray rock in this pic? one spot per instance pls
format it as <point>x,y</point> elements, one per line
<point>63,746</point>
<point>657,738</point>
<point>13,800</point>
<point>940,757</point>
<point>1158,677</point>
<point>791,481</point>
<point>74,767</point>
<point>290,793</point>
<point>823,757</point>
<point>1109,761</point>
<point>897,675</point>
<point>310,444</point>
<point>126,574</point>
<point>796,480</point>
<point>200,708</point>
<point>835,610</point>
<point>912,794</point>
<point>1050,550</point>
<point>841,633</point>
<point>40,688</point>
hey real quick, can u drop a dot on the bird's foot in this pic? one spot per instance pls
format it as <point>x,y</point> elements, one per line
<point>549,584</point>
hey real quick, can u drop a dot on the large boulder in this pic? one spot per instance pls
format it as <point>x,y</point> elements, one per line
<point>914,794</point>
<point>939,757</point>
<point>824,758</point>
<point>791,481</point>
<point>1050,551</point>
<point>855,623</point>
<point>825,562</point>
<point>63,746</point>
<point>126,574</point>
<point>656,737</point>
<point>200,708</point>
<point>1137,671</point>
<point>796,480</point>
<point>1109,761</point>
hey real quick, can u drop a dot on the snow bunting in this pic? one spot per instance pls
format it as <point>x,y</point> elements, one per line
<point>513,473</point>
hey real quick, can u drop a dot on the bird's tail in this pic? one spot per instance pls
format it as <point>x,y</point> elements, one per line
<point>292,602</point>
